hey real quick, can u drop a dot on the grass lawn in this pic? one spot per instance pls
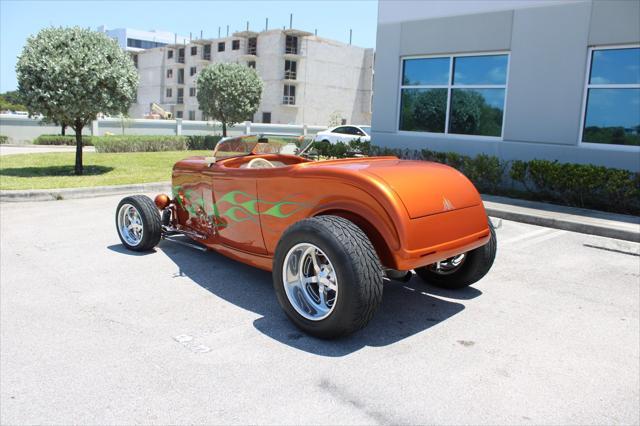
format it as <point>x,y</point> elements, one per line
<point>55,170</point>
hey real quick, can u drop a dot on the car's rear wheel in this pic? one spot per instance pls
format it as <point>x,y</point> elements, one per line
<point>138,223</point>
<point>327,276</point>
<point>462,270</point>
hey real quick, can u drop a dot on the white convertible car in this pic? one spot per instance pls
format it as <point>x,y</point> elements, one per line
<point>345,134</point>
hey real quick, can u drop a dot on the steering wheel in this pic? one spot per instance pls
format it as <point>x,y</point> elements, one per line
<point>260,163</point>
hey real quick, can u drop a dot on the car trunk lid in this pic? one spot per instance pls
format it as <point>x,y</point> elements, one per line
<point>426,188</point>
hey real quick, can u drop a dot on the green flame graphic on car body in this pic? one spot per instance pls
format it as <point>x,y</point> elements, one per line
<point>241,207</point>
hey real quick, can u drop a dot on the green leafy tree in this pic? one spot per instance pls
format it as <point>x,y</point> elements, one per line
<point>229,93</point>
<point>11,101</point>
<point>70,75</point>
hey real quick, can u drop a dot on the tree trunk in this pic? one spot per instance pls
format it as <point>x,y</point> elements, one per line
<point>224,129</point>
<point>78,129</point>
<point>63,129</point>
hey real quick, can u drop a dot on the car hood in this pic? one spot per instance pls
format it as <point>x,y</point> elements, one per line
<point>424,187</point>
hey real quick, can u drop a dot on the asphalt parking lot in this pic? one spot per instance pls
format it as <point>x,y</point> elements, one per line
<point>93,334</point>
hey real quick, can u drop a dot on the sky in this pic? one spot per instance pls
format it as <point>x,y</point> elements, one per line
<point>332,19</point>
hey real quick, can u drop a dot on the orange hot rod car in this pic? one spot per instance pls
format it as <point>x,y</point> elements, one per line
<point>330,231</point>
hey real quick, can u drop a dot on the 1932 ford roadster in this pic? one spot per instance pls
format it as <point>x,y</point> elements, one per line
<point>330,231</point>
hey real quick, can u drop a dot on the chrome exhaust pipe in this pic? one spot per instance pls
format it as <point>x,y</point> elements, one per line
<point>400,276</point>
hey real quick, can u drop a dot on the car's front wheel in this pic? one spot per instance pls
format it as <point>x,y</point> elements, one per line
<point>462,270</point>
<point>327,276</point>
<point>138,223</point>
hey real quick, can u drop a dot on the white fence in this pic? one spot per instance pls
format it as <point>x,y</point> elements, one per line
<point>22,129</point>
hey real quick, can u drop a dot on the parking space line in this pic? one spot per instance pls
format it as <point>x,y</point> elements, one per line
<point>542,238</point>
<point>528,235</point>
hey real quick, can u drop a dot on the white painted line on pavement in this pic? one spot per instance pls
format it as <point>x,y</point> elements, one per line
<point>541,239</point>
<point>525,236</point>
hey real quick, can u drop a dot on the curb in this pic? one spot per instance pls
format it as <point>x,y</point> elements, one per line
<point>593,222</point>
<point>610,225</point>
<point>73,193</point>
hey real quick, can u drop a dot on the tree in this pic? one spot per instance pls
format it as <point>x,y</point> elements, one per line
<point>11,101</point>
<point>70,75</point>
<point>229,93</point>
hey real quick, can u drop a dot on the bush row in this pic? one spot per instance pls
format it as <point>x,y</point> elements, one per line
<point>202,142</point>
<point>341,149</point>
<point>577,185</point>
<point>128,143</point>
<point>4,139</point>
<point>62,140</point>
<point>134,143</point>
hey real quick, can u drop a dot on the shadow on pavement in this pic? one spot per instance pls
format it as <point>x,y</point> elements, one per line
<point>119,248</point>
<point>406,309</point>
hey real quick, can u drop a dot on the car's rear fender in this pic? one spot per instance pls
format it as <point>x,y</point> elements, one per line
<point>378,233</point>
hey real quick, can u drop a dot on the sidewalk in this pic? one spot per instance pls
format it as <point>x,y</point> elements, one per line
<point>586,221</point>
<point>10,149</point>
<point>612,225</point>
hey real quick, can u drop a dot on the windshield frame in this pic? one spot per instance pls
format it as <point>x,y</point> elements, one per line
<point>253,144</point>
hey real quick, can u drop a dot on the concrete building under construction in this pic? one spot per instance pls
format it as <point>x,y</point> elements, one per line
<point>307,79</point>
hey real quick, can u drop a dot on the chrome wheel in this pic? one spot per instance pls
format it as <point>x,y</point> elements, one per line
<point>310,281</point>
<point>448,266</point>
<point>130,225</point>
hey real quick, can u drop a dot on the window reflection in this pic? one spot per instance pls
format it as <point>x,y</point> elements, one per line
<point>480,70</point>
<point>430,71</point>
<point>423,110</point>
<point>476,112</point>
<point>613,116</point>
<point>615,66</point>
<point>428,88</point>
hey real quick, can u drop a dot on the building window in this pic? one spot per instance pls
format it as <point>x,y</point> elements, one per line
<point>266,117</point>
<point>180,96</point>
<point>194,50</point>
<point>143,44</point>
<point>169,73</point>
<point>179,114</point>
<point>169,54</point>
<point>289,97</point>
<point>235,45</point>
<point>169,93</point>
<point>181,76</point>
<point>192,71</point>
<point>251,64</point>
<point>221,46</point>
<point>135,60</point>
<point>180,57</point>
<point>612,97</point>
<point>252,46</point>
<point>192,91</point>
<point>291,45</point>
<point>192,115</point>
<point>462,95</point>
<point>290,69</point>
<point>206,54</point>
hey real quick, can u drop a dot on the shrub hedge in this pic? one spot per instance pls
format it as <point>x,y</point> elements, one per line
<point>202,142</point>
<point>62,140</point>
<point>577,185</point>
<point>4,139</point>
<point>134,143</point>
<point>582,185</point>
